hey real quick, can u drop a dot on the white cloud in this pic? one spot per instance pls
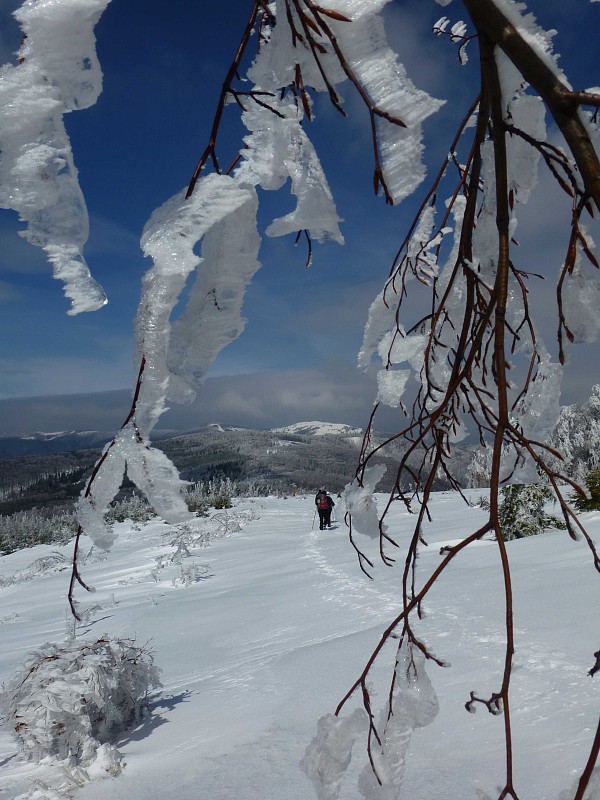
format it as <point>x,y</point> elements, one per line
<point>339,393</point>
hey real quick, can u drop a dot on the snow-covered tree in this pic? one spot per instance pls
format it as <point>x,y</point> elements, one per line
<point>577,436</point>
<point>591,501</point>
<point>522,511</point>
<point>461,246</point>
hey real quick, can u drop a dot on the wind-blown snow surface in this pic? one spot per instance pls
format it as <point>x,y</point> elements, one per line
<point>279,623</point>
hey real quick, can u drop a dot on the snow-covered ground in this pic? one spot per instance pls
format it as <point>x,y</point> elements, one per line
<point>276,623</point>
<point>320,429</point>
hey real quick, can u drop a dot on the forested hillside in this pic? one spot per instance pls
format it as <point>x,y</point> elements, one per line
<point>36,473</point>
<point>276,460</point>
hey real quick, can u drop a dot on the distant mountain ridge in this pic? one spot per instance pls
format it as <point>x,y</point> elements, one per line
<point>42,442</point>
<point>45,442</point>
<point>320,429</point>
<point>50,468</point>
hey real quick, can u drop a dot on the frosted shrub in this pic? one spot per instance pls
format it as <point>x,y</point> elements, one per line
<point>217,492</point>
<point>71,700</point>
<point>197,504</point>
<point>135,508</point>
<point>222,501</point>
<point>203,532</point>
<point>28,528</point>
<point>522,513</point>
<point>591,503</point>
<point>53,562</point>
<point>190,574</point>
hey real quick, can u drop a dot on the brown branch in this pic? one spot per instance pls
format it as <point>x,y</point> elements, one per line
<point>210,151</point>
<point>589,767</point>
<point>374,110</point>
<point>474,350</point>
<point>492,83</point>
<point>561,101</point>
<point>418,598</point>
<point>75,575</point>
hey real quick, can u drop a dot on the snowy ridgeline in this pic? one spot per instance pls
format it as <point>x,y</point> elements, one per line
<point>306,454</point>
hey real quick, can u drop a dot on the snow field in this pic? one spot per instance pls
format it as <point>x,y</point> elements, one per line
<point>279,624</point>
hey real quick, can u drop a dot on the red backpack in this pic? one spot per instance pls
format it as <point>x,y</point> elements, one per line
<point>322,501</point>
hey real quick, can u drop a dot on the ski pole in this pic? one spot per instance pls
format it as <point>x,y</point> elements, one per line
<point>314,518</point>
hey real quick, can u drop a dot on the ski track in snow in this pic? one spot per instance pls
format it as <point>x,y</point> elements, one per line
<point>347,591</point>
<point>351,591</point>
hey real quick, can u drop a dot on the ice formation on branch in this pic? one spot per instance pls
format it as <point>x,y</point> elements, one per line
<point>328,755</point>
<point>227,211</point>
<point>277,149</point>
<point>366,49</point>
<point>413,704</point>
<point>536,37</point>
<point>373,64</point>
<point>57,72</point>
<point>359,501</point>
<point>431,254</point>
<point>221,215</point>
<point>175,346</point>
<point>581,295</point>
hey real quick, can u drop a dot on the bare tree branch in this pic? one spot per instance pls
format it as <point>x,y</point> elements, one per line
<point>562,102</point>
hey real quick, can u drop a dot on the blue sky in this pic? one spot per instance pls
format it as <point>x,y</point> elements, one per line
<point>138,146</point>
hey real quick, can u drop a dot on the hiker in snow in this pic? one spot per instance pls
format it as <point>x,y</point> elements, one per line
<point>324,503</point>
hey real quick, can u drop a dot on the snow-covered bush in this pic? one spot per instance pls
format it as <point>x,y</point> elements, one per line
<point>478,470</point>
<point>202,532</point>
<point>190,574</point>
<point>197,504</point>
<point>591,503</point>
<point>53,562</point>
<point>222,501</point>
<point>217,492</point>
<point>71,700</point>
<point>135,508</point>
<point>521,512</point>
<point>28,528</point>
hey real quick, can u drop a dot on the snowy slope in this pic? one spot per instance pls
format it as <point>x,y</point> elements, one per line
<point>319,429</point>
<point>277,626</point>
